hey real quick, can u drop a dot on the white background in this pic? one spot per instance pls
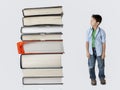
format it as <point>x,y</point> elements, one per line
<point>76,20</point>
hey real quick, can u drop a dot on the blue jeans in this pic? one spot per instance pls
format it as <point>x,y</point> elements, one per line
<point>91,64</point>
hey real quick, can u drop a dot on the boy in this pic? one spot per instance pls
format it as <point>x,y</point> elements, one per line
<point>95,49</point>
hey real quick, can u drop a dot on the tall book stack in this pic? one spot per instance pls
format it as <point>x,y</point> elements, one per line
<point>41,46</point>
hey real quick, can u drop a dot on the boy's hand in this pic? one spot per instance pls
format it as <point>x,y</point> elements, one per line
<point>103,56</point>
<point>88,55</point>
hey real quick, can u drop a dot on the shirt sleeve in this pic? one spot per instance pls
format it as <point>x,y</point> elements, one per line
<point>103,37</point>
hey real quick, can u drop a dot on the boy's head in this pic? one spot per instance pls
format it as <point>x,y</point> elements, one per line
<point>95,20</point>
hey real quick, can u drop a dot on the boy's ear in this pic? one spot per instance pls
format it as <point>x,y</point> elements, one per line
<point>98,23</point>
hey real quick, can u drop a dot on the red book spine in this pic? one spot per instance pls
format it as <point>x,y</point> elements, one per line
<point>20,48</point>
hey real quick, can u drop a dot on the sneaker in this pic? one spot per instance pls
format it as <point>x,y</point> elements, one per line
<point>93,82</point>
<point>103,81</point>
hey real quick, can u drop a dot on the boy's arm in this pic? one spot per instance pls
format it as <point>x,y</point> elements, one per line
<point>103,50</point>
<point>103,44</point>
<point>87,50</point>
<point>87,45</point>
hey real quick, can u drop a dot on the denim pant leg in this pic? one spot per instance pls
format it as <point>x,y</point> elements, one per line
<point>101,66</point>
<point>91,65</point>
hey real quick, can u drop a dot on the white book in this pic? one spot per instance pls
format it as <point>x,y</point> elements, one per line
<point>42,72</point>
<point>43,21</point>
<point>41,61</point>
<point>43,47</point>
<point>52,10</point>
<point>41,36</point>
<point>41,29</point>
<point>42,81</point>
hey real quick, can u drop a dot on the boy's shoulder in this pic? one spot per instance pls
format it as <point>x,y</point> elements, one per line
<point>102,30</point>
<point>89,29</point>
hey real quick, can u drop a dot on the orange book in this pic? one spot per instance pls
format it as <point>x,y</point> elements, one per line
<point>20,47</point>
<point>40,46</point>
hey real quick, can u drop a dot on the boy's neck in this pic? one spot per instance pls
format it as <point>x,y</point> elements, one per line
<point>95,27</point>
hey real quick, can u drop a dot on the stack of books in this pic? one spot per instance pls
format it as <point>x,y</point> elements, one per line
<point>41,46</point>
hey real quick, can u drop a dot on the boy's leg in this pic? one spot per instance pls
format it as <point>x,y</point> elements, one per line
<point>91,65</point>
<point>101,66</point>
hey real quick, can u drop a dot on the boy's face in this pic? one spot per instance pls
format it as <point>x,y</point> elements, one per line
<point>93,22</point>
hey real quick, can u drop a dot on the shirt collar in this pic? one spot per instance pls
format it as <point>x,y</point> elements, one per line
<point>97,30</point>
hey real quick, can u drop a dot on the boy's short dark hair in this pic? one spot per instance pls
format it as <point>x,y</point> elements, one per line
<point>97,17</point>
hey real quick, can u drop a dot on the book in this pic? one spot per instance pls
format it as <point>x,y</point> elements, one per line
<point>52,10</point>
<point>41,46</point>
<point>41,29</point>
<point>41,36</point>
<point>45,46</point>
<point>42,80</point>
<point>42,21</point>
<point>40,61</point>
<point>42,72</point>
